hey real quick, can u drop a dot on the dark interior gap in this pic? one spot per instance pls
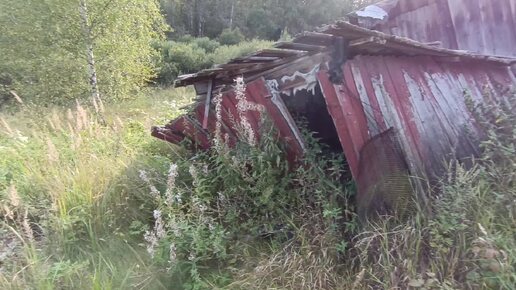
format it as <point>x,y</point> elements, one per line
<point>309,110</point>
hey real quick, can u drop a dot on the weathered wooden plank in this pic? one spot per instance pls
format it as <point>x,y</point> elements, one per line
<point>300,46</point>
<point>207,104</point>
<point>353,110</point>
<point>335,110</point>
<point>270,99</point>
<point>278,52</point>
<point>387,95</point>
<point>314,38</point>
<point>375,120</point>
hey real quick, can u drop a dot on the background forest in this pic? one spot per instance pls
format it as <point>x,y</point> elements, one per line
<point>89,200</point>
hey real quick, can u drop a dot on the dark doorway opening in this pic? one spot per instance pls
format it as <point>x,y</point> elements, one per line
<point>308,108</point>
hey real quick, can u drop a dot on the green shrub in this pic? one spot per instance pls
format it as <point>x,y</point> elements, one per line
<point>209,45</point>
<point>190,55</point>
<point>231,36</point>
<point>180,58</point>
<point>227,52</point>
<point>220,204</point>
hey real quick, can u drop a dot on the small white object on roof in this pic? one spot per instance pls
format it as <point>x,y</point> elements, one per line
<point>372,11</point>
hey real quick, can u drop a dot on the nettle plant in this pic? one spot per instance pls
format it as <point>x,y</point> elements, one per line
<point>219,203</point>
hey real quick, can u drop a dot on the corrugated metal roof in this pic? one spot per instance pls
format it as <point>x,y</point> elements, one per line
<point>308,44</point>
<point>480,26</point>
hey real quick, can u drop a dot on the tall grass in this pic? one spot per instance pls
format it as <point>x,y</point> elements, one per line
<point>71,200</point>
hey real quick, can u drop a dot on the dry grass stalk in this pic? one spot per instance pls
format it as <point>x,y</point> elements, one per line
<point>6,126</point>
<point>52,153</point>
<point>29,234</point>
<point>16,97</point>
<point>14,198</point>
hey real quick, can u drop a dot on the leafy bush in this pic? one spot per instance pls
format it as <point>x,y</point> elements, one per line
<point>189,55</point>
<point>231,36</point>
<point>209,45</point>
<point>227,52</point>
<point>180,58</point>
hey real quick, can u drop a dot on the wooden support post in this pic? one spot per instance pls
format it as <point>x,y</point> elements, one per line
<point>207,105</point>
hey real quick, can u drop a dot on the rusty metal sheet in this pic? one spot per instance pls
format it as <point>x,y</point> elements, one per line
<point>337,114</point>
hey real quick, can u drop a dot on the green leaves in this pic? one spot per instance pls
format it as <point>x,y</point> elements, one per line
<point>43,47</point>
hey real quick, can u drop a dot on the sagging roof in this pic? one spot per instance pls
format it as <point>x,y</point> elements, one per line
<point>362,42</point>
<point>480,26</point>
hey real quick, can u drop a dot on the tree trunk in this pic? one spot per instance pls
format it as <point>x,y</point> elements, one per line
<point>92,71</point>
<point>231,15</point>
<point>198,9</point>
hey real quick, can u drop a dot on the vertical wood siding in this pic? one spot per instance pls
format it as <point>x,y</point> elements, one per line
<point>422,99</point>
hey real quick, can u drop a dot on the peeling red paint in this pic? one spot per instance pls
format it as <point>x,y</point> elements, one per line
<point>257,92</point>
<point>421,98</point>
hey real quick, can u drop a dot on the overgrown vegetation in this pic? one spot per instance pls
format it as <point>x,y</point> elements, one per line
<point>224,208</point>
<point>72,202</point>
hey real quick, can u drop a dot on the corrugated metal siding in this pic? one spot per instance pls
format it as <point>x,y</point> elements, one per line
<point>481,26</point>
<point>422,99</point>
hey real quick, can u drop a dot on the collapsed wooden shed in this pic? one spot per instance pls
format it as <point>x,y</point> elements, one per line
<point>394,106</point>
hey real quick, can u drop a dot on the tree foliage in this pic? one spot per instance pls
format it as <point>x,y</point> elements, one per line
<point>264,19</point>
<point>43,47</point>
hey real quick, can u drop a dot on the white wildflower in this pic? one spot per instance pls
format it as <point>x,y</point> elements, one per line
<point>143,176</point>
<point>171,183</point>
<point>222,197</point>
<point>158,225</point>
<point>174,227</point>
<point>153,190</point>
<point>152,242</point>
<point>158,232</point>
<point>172,254</point>
<point>191,257</point>
<point>242,107</point>
<point>193,173</point>
<point>218,125</point>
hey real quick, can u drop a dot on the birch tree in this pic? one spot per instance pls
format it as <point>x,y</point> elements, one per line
<point>57,50</point>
